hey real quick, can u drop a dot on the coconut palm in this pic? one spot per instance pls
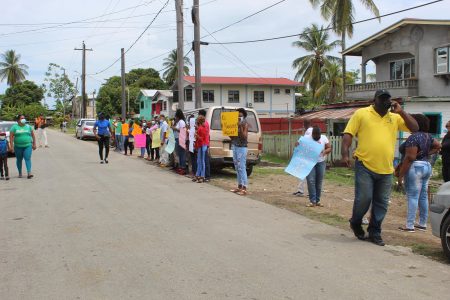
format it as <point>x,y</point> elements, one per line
<point>341,15</point>
<point>11,69</point>
<point>171,69</point>
<point>314,40</point>
<point>331,88</point>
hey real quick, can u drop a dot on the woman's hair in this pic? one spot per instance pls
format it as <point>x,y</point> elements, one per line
<point>422,121</point>
<point>200,119</point>
<point>316,133</point>
<point>243,111</point>
<point>19,116</point>
<point>131,123</point>
<point>179,114</point>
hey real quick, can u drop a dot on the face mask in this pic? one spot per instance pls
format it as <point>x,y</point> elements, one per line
<point>2,138</point>
<point>23,121</point>
<point>241,118</point>
<point>153,122</point>
<point>445,130</point>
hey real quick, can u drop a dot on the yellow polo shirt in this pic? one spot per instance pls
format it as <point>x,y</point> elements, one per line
<point>377,137</point>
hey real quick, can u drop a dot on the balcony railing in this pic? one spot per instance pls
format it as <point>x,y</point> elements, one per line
<point>391,84</point>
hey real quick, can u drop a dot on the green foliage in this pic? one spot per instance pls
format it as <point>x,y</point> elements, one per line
<point>353,76</point>
<point>58,86</point>
<point>31,111</point>
<point>171,68</point>
<point>331,89</point>
<point>23,93</point>
<point>109,99</point>
<point>11,69</point>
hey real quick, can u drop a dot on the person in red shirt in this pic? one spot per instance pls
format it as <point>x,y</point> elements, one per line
<point>201,142</point>
<point>202,112</point>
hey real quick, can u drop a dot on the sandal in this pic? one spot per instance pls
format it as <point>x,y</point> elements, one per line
<point>310,205</point>
<point>237,190</point>
<point>242,192</point>
<point>319,204</point>
<point>30,176</point>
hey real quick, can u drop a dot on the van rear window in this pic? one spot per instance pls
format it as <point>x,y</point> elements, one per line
<point>251,119</point>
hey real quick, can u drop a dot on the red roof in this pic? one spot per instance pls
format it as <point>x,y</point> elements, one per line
<point>244,80</point>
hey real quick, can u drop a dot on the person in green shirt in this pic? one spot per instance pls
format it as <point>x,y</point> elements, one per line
<point>23,142</point>
<point>118,135</point>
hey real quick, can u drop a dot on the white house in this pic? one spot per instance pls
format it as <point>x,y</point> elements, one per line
<point>270,97</point>
<point>162,103</point>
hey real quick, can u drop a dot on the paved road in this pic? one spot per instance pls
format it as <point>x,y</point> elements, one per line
<point>81,230</point>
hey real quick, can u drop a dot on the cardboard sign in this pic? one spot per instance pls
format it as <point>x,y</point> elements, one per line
<point>136,130</point>
<point>125,128</point>
<point>139,140</point>
<point>305,157</point>
<point>230,123</point>
<point>191,134</point>
<point>182,138</point>
<point>171,142</point>
<point>156,138</point>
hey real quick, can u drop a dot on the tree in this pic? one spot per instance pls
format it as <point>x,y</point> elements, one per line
<point>315,41</point>
<point>353,76</point>
<point>331,88</point>
<point>341,15</point>
<point>171,69</point>
<point>11,69</point>
<point>371,77</point>
<point>23,93</point>
<point>57,86</point>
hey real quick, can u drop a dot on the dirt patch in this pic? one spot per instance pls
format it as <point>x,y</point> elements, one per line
<point>273,186</point>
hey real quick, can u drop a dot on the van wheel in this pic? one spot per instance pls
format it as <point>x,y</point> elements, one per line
<point>249,170</point>
<point>445,236</point>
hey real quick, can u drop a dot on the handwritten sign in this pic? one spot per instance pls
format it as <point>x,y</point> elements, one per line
<point>136,130</point>
<point>171,143</point>
<point>230,123</point>
<point>305,157</point>
<point>156,138</point>
<point>191,134</point>
<point>182,138</point>
<point>125,128</point>
<point>139,140</point>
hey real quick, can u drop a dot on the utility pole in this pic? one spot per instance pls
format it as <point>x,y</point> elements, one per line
<point>122,74</point>
<point>83,80</point>
<point>94,111</point>
<point>64,96</point>
<point>196,48</point>
<point>180,54</point>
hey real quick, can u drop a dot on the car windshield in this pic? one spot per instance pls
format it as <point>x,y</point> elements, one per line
<point>89,123</point>
<point>217,125</point>
<point>4,127</point>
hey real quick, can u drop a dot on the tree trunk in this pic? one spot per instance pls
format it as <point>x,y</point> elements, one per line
<point>344,67</point>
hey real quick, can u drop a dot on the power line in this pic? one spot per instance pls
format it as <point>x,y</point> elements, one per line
<point>139,37</point>
<point>326,29</point>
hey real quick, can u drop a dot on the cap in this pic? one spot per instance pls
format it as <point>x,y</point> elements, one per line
<point>383,92</point>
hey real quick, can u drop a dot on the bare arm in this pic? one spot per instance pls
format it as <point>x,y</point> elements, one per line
<point>11,141</point>
<point>410,157</point>
<point>410,122</point>
<point>34,140</point>
<point>435,147</point>
<point>327,149</point>
<point>346,144</point>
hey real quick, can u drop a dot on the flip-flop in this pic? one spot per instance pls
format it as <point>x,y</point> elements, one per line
<point>30,176</point>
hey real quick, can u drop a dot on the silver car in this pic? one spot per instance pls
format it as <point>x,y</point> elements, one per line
<point>5,126</point>
<point>87,130</point>
<point>80,129</point>
<point>440,216</point>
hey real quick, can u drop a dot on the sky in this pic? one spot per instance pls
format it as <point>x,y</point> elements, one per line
<point>115,24</point>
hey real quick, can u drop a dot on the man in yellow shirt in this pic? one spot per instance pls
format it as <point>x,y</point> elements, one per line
<point>376,128</point>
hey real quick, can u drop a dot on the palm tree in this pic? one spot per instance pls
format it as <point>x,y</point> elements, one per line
<point>315,41</point>
<point>331,88</point>
<point>170,64</point>
<point>11,69</point>
<point>341,14</point>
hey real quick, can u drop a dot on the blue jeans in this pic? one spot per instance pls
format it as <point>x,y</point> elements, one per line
<point>23,153</point>
<point>119,142</point>
<point>371,189</point>
<point>201,152</point>
<point>240,165</point>
<point>314,180</point>
<point>181,152</point>
<point>416,184</point>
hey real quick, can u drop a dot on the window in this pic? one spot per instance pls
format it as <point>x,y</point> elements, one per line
<point>435,122</point>
<point>217,125</point>
<point>208,96</point>
<point>442,60</point>
<point>164,105</point>
<point>403,69</point>
<point>287,91</point>
<point>175,96</point>
<point>142,104</point>
<point>233,96</point>
<point>276,91</point>
<point>188,95</point>
<point>258,96</point>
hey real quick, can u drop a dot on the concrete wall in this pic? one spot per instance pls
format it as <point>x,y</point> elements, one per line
<point>441,108</point>
<point>419,41</point>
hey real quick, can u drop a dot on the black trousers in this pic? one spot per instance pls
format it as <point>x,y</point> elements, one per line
<point>4,171</point>
<point>103,142</point>
<point>446,170</point>
<point>127,145</point>
<point>148,146</point>
<point>155,151</point>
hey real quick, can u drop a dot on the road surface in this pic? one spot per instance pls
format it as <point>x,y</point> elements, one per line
<point>129,230</point>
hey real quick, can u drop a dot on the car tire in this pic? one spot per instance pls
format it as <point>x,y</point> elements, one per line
<point>445,236</point>
<point>249,170</point>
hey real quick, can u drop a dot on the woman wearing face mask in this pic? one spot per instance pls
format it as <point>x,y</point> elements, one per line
<point>102,131</point>
<point>239,144</point>
<point>445,152</point>
<point>23,141</point>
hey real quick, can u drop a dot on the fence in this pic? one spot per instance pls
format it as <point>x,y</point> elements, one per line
<point>280,146</point>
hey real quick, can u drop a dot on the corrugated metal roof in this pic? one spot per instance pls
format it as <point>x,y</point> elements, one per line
<point>327,114</point>
<point>148,93</point>
<point>244,80</point>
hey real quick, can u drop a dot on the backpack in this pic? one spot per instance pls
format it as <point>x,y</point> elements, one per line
<point>3,147</point>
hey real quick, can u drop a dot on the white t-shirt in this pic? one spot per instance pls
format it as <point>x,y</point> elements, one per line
<point>180,124</point>
<point>322,141</point>
<point>308,132</point>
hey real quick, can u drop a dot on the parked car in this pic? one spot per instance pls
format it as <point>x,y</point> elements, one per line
<point>220,152</point>
<point>440,216</point>
<point>5,126</point>
<point>79,129</point>
<point>86,130</point>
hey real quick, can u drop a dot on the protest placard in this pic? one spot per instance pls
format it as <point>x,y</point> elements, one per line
<point>156,138</point>
<point>125,128</point>
<point>230,121</point>
<point>191,134</point>
<point>171,142</point>
<point>182,138</point>
<point>139,140</point>
<point>305,157</point>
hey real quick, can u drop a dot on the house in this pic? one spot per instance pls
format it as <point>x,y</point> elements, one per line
<point>412,62</point>
<point>162,103</point>
<point>77,104</point>
<point>145,99</point>
<point>270,97</point>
